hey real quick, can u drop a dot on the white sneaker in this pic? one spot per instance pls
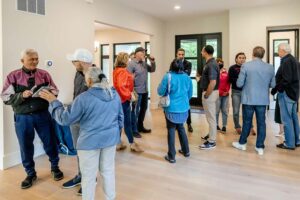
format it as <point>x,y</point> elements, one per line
<point>260,151</point>
<point>239,146</point>
<point>280,134</point>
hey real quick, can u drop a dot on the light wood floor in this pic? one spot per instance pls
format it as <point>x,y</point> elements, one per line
<point>222,173</point>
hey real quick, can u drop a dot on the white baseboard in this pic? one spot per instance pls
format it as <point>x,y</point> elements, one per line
<point>13,159</point>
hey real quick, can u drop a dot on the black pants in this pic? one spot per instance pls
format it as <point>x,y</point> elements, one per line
<point>189,120</point>
<point>171,138</point>
<point>141,109</point>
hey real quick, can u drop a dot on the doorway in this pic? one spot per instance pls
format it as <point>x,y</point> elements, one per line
<point>276,36</point>
<point>111,40</point>
<point>193,44</point>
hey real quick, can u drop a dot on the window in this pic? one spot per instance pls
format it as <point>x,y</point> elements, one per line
<point>32,6</point>
<point>193,44</point>
<point>104,59</point>
<point>125,47</point>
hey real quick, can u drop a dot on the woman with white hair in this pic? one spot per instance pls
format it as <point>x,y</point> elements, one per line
<point>99,113</point>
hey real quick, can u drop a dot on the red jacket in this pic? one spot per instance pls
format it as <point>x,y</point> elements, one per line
<point>224,85</point>
<point>123,82</point>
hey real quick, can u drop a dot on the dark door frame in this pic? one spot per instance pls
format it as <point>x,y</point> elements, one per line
<point>273,29</point>
<point>201,38</point>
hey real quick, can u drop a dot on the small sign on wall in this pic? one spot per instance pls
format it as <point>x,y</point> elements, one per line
<point>48,63</point>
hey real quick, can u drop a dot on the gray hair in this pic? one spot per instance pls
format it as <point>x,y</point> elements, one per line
<point>99,80</point>
<point>93,73</point>
<point>27,52</point>
<point>285,47</point>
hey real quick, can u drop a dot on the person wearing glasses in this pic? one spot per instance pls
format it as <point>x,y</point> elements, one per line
<point>82,60</point>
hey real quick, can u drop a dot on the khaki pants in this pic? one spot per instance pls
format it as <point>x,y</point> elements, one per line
<point>90,162</point>
<point>209,106</point>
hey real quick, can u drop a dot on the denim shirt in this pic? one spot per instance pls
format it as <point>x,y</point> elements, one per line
<point>99,115</point>
<point>177,118</point>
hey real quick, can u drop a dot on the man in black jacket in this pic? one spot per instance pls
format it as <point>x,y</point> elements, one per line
<point>287,85</point>
<point>187,68</point>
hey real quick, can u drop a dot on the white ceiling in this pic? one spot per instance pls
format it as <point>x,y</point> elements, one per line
<point>164,9</point>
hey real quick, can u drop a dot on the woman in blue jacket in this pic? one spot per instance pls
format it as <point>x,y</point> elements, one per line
<point>99,113</point>
<point>181,90</point>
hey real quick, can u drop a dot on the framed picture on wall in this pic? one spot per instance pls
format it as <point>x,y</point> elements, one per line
<point>277,42</point>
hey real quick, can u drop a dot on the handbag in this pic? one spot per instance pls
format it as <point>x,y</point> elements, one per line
<point>134,96</point>
<point>164,101</point>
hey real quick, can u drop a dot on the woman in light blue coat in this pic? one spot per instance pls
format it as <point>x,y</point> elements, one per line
<point>99,113</point>
<point>181,90</point>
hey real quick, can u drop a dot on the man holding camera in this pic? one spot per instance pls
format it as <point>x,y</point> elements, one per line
<point>139,68</point>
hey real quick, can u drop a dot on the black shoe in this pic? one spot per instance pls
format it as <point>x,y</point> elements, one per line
<point>79,193</point>
<point>190,128</point>
<point>28,181</point>
<point>297,145</point>
<point>205,138</point>
<point>72,183</point>
<point>184,154</point>
<point>223,129</point>
<point>218,128</point>
<point>137,135</point>
<point>282,146</point>
<point>57,174</point>
<point>144,130</point>
<point>169,159</point>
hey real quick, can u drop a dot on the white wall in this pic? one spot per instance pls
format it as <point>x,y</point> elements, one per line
<point>197,25</point>
<point>1,80</point>
<point>112,36</point>
<point>113,13</point>
<point>248,26</point>
<point>58,33</point>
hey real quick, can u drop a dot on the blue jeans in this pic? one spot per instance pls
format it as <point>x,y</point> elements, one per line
<point>236,96</point>
<point>289,118</point>
<point>260,112</point>
<point>127,121</point>
<point>25,126</point>
<point>222,105</point>
<point>134,117</point>
<point>171,138</point>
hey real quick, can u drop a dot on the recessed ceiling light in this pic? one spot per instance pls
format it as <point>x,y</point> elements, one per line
<point>177,7</point>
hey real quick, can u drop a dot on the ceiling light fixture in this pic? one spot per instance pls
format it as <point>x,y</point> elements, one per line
<point>177,7</point>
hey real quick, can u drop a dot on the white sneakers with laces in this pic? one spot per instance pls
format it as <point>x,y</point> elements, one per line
<point>239,146</point>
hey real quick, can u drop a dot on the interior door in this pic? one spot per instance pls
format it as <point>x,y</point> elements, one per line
<point>277,37</point>
<point>193,44</point>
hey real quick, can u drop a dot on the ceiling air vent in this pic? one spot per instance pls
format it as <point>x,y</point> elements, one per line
<point>32,6</point>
